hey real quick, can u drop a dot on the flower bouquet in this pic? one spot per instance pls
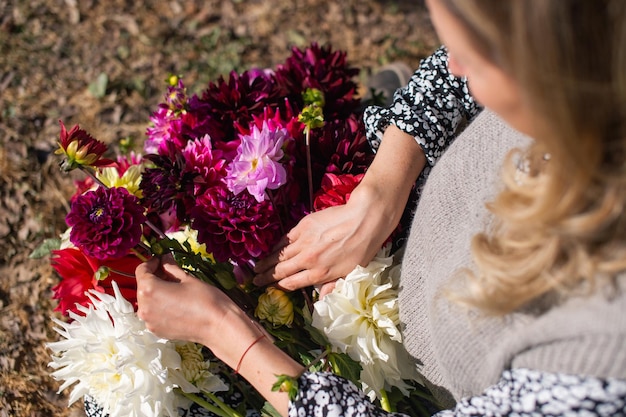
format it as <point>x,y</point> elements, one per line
<point>222,175</point>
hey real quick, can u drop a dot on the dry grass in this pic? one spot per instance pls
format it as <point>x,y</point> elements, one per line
<point>52,54</point>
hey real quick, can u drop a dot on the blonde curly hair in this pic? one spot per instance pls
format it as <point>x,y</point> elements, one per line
<point>561,225</point>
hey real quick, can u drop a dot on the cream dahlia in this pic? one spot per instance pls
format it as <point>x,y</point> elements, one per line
<point>360,317</point>
<point>110,356</point>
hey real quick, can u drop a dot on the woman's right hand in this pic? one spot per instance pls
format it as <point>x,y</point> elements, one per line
<point>329,244</point>
<point>326,245</point>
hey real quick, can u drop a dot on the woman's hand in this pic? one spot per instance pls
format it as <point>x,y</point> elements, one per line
<point>329,244</point>
<point>326,245</point>
<point>178,306</point>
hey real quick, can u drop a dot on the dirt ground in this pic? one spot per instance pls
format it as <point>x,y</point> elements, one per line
<point>102,64</point>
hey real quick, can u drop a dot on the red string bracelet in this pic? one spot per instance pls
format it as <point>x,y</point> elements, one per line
<point>246,351</point>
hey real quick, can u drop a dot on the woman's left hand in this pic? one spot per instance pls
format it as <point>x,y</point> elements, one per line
<point>178,306</point>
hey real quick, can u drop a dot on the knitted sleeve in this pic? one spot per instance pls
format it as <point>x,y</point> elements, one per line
<point>430,108</point>
<point>520,392</point>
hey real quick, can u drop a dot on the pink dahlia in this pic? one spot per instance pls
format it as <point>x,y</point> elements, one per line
<point>78,274</point>
<point>106,223</point>
<point>257,166</point>
<point>235,227</point>
<point>167,128</point>
<point>335,190</point>
<point>209,163</point>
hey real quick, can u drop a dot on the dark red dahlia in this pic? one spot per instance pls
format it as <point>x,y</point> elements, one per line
<point>168,186</point>
<point>235,227</point>
<point>335,190</point>
<point>106,223</point>
<point>323,69</point>
<point>78,275</point>
<point>225,104</point>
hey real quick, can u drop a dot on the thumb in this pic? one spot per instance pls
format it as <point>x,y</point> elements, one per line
<point>173,271</point>
<point>145,269</point>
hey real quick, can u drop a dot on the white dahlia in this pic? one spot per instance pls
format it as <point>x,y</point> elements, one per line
<point>360,318</point>
<point>112,357</point>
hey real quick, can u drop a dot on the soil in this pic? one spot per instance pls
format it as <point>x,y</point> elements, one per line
<point>103,64</point>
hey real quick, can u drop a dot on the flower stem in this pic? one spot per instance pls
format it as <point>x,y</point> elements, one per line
<point>309,168</point>
<point>221,404</point>
<point>139,255</point>
<point>384,401</point>
<point>208,406</point>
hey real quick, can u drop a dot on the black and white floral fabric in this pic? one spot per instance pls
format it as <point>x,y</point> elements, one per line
<point>520,393</point>
<point>431,107</point>
<point>92,409</point>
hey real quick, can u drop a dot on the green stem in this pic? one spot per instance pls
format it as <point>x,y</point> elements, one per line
<point>207,405</point>
<point>384,401</point>
<point>309,167</point>
<point>222,405</point>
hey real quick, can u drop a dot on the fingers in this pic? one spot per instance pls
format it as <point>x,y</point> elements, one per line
<point>327,288</point>
<point>278,254</point>
<point>148,268</point>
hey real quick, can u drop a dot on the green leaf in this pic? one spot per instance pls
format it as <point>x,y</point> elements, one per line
<point>46,248</point>
<point>288,384</point>
<point>345,366</point>
<point>98,88</point>
<point>268,410</point>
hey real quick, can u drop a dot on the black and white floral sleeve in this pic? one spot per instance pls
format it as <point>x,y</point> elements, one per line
<point>431,107</point>
<point>520,393</point>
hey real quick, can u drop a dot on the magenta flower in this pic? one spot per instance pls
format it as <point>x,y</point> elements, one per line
<point>257,165</point>
<point>166,127</point>
<point>106,223</point>
<point>210,163</point>
<point>235,227</point>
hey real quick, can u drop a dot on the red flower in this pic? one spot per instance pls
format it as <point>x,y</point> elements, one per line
<point>78,275</point>
<point>80,149</point>
<point>336,190</point>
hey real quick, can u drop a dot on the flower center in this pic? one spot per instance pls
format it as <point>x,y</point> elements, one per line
<point>96,214</point>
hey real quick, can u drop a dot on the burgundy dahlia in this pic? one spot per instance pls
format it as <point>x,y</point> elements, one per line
<point>323,69</point>
<point>106,223</point>
<point>227,104</point>
<point>235,227</point>
<point>168,186</point>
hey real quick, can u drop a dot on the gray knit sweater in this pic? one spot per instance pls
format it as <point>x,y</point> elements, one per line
<point>461,352</point>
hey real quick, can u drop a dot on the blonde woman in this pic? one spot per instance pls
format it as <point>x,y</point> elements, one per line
<point>512,293</point>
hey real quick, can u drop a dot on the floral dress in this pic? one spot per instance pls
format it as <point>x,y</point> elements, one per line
<point>520,392</point>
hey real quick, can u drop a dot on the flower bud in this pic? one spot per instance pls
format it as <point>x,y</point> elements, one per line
<point>275,307</point>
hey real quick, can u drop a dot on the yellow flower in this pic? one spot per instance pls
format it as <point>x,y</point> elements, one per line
<point>189,235</point>
<point>275,307</point>
<point>130,180</point>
